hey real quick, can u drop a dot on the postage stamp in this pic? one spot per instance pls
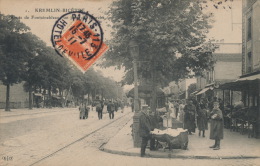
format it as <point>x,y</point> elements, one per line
<point>79,37</point>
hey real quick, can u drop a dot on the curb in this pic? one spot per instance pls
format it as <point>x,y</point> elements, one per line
<point>169,155</point>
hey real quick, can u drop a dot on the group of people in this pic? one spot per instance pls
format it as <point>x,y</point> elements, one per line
<point>192,114</point>
<point>204,111</point>
<point>100,105</point>
<point>83,111</point>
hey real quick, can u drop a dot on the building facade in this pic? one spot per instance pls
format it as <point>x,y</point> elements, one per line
<point>249,81</point>
<point>228,57</point>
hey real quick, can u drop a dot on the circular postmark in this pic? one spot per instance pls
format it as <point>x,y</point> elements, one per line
<point>77,35</point>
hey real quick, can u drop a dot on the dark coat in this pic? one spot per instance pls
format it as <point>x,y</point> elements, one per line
<point>145,126</point>
<point>216,124</point>
<point>81,112</point>
<point>99,105</point>
<point>154,121</point>
<point>189,117</point>
<point>202,119</point>
<point>110,107</point>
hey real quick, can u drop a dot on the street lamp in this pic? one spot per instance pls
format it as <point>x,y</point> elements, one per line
<point>134,52</point>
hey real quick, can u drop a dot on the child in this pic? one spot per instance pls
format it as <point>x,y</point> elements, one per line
<point>216,126</point>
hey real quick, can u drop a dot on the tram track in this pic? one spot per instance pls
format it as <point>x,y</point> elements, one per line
<point>82,138</point>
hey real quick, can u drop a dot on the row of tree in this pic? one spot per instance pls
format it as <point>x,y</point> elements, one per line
<point>26,58</point>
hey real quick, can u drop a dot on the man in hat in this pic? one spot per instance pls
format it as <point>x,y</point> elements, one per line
<point>216,126</point>
<point>145,127</point>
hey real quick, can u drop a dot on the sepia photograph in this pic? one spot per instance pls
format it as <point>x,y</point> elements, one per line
<point>129,82</point>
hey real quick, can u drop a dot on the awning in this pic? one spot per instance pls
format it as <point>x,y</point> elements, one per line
<point>202,91</point>
<point>242,83</point>
<point>145,92</point>
<point>249,78</point>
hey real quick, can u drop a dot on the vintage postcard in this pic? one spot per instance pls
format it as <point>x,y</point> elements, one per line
<point>129,82</point>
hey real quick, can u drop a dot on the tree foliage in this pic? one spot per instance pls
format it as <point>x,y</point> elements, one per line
<point>25,57</point>
<point>171,35</point>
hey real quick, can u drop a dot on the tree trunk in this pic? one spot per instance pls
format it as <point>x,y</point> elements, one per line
<point>102,94</point>
<point>30,98</point>
<point>88,99</point>
<point>7,102</point>
<point>50,99</point>
<point>154,88</point>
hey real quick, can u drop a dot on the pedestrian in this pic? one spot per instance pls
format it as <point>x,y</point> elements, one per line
<point>189,117</point>
<point>81,111</point>
<point>202,118</point>
<point>180,116</point>
<point>176,107</point>
<point>86,111</point>
<point>122,107</point>
<point>116,105</point>
<point>216,126</point>
<point>144,128</point>
<point>99,106</point>
<point>111,109</point>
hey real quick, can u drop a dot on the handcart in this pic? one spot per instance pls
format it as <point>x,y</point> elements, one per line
<point>165,138</point>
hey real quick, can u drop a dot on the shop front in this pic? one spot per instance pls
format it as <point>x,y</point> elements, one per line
<point>244,116</point>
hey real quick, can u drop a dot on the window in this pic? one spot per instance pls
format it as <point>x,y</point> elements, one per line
<point>249,62</point>
<point>249,28</point>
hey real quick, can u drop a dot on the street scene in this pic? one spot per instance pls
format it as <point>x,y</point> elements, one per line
<point>130,82</point>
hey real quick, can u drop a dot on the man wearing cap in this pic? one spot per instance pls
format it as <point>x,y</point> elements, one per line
<point>144,128</point>
<point>216,126</point>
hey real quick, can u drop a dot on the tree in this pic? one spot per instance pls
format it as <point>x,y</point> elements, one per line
<point>14,52</point>
<point>34,66</point>
<point>171,36</point>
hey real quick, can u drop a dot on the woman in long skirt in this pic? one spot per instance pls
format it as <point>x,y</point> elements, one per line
<point>202,119</point>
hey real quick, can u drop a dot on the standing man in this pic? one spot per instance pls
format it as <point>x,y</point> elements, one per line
<point>81,111</point>
<point>86,110</point>
<point>111,109</point>
<point>216,126</point>
<point>144,128</point>
<point>116,105</point>
<point>99,107</point>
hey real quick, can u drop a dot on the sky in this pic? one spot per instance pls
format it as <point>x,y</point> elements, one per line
<point>227,23</point>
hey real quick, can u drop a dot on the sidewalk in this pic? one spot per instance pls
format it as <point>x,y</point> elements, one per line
<point>26,111</point>
<point>234,145</point>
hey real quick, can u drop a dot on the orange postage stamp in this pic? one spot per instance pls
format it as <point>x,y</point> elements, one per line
<point>79,37</point>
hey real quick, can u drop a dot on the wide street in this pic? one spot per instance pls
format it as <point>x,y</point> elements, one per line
<point>57,137</point>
